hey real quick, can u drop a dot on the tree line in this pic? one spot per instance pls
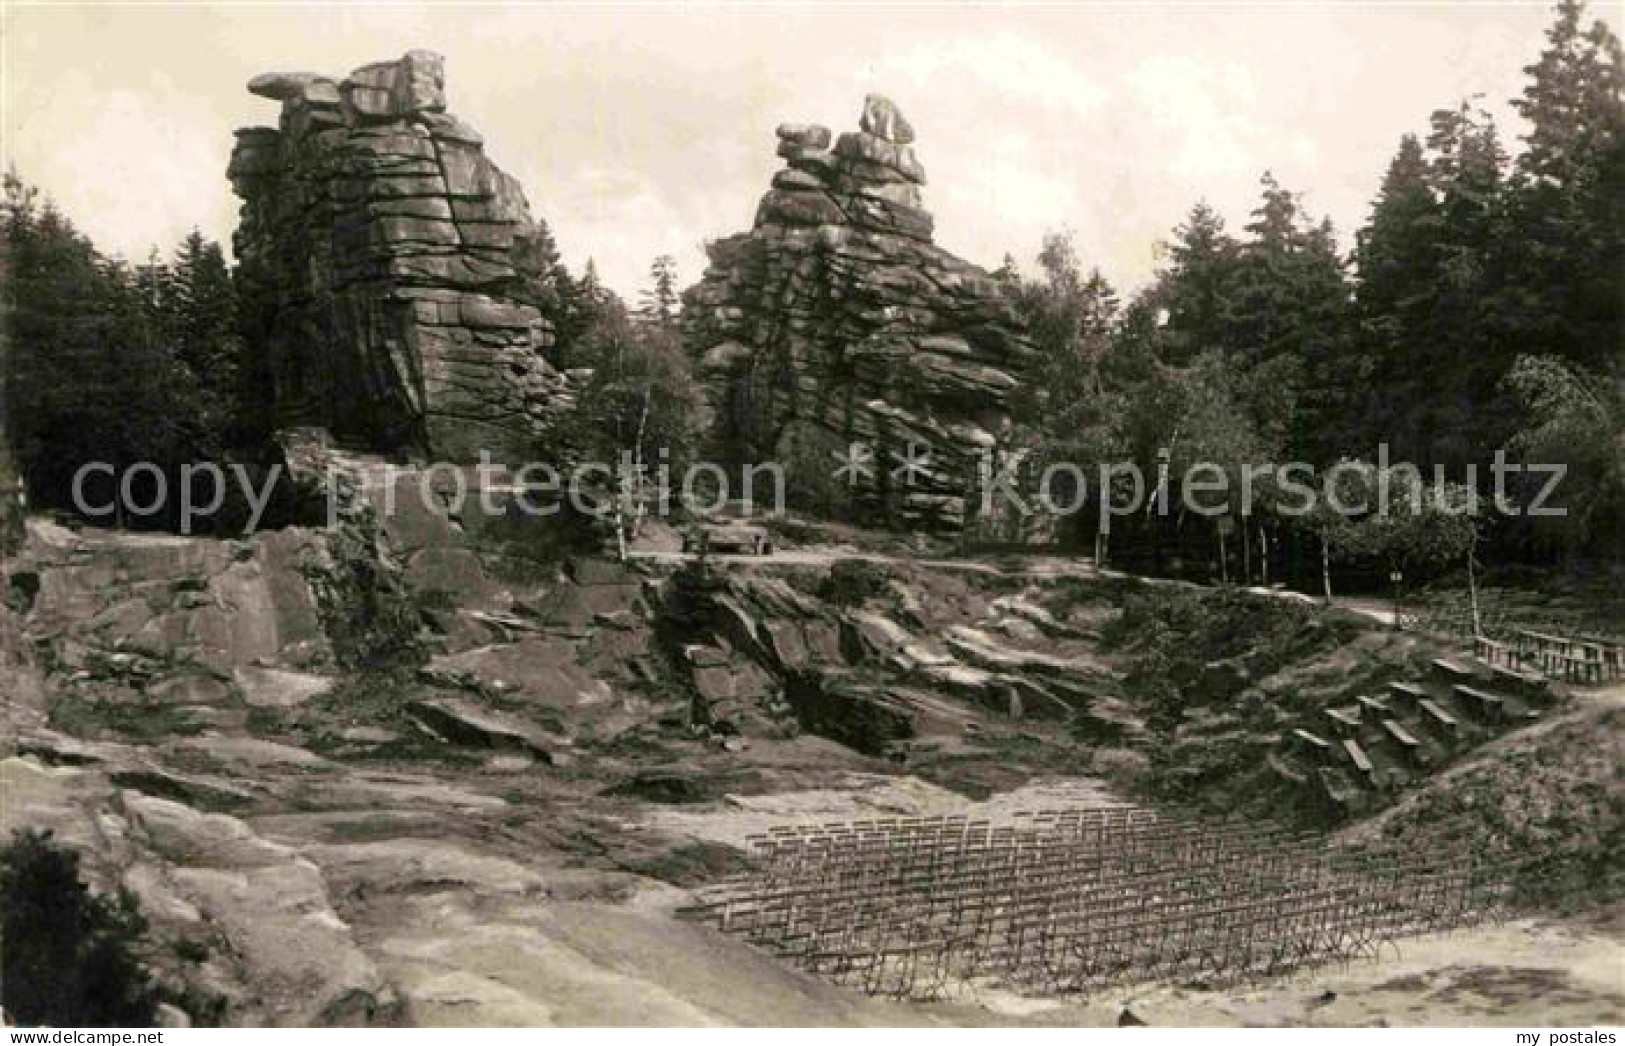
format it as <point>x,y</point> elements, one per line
<point>1478,312</point>
<point>105,361</point>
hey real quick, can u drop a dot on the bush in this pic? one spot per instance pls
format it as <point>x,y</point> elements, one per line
<point>1122,766</point>
<point>853,581</point>
<point>68,957</point>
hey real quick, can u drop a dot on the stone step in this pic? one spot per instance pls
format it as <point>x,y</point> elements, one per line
<point>1287,768</point>
<point>1344,721</point>
<point>1441,719</point>
<point>1397,731</point>
<point>1495,706</point>
<point>1342,789</point>
<point>1483,703</point>
<point>1374,705</point>
<point>1313,742</point>
<point>1454,671</point>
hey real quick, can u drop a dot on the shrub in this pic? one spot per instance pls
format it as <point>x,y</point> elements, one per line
<point>853,581</point>
<point>69,956</point>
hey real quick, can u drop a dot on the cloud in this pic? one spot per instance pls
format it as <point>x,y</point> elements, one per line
<point>644,130</point>
<point>135,174</point>
<point>626,221</point>
<point>1206,116</point>
<point>1012,65</point>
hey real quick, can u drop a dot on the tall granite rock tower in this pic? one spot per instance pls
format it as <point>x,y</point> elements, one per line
<point>836,339</point>
<point>383,258</point>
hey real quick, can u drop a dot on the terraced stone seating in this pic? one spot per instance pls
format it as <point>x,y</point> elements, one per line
<point>1489,706</point>
<point>1449,723</point>
<point>1519,681</point>
<point>1283,768</point>
<point>1375,705</point>
<point>1362,762</point>
<point>1344,722</point>
<point>1416,751</point>
<point>1316,745</point>
<point>1349,755</point>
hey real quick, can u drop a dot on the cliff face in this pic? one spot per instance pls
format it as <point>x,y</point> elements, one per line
<point>836,323</point>
<point>381,255</point>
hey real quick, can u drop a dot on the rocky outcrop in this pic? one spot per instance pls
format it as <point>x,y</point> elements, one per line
<point>836,321</point>
<point>383,257</point>
<point>250,936</point>
<point>760,653</point>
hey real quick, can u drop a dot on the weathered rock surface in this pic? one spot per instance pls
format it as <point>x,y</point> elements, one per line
<point>266,944</point>
<point>467,723</point>
<point>273,906</point>
<point>222,604</point>
<point>759,653</point>
<point>381,251</point>
<point>836,321</point>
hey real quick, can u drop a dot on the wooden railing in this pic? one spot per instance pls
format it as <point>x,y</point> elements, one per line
<point>1583,661</point>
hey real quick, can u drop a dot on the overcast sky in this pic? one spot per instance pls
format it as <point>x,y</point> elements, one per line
<point>642,130</point>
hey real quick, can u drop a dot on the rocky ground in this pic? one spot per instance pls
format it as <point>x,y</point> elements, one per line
<point>477,795</point>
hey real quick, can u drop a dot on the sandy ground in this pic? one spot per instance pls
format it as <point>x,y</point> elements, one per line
<point>633,964</point>
<point>859,797</point>
<point>1529,972</point>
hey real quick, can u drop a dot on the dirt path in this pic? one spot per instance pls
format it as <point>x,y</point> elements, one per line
<point>1035,567</point>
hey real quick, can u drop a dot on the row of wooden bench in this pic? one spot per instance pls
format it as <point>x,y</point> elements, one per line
<point>1505,622</point>
<point>998,864</point>
<point>1166,841</point>
<point>1051,886</point>
<point>868,849</point>
<point>1061,912</point>
<point>1219,945</point>
<point>1386,741</point>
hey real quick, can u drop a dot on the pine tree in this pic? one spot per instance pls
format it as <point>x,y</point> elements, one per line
<point>1288,321</point>
<point>1573,101</point>
<point>1260,299</point>
<point>1396,250</point>
<point>88,378</point>
<point>1008,274</point>
<point>590,286</point>
<point>1195,288</point>
<point>200,320</point>
<point>660,302</point>
<point>1397,258</point>
<point>1561,274</point>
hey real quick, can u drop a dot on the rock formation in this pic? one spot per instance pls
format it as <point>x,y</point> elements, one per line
<point>836,321</point>
<point>382,254</point>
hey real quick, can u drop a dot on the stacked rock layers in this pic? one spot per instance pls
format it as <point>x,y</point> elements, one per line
<point>382,255</point>
<point>835,330</point>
